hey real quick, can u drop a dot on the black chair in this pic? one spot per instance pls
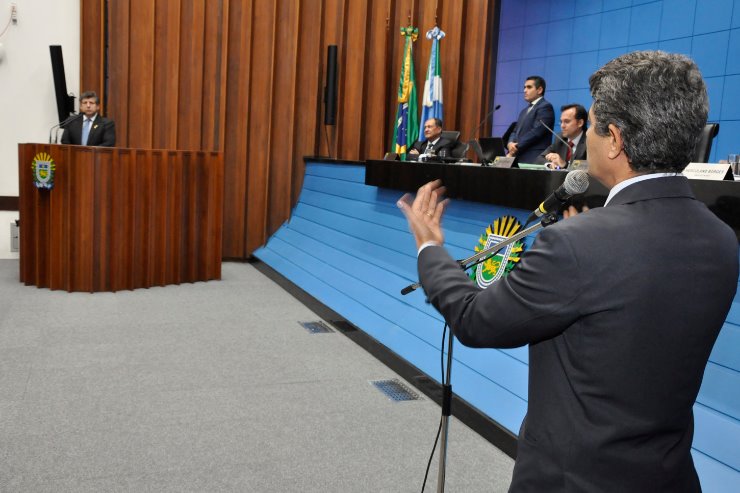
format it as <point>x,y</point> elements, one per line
<point>704,146</point>
<point>450,134</point>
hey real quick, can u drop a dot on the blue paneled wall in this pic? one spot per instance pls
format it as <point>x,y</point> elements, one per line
<point>348,245</point>
<point>566,40</point>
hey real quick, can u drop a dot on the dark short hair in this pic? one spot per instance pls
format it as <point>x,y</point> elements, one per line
<point>659,103</point>
<point>581,113</point>
<point>538,82</point>
<point>90,95</point>
<point>437,121</point>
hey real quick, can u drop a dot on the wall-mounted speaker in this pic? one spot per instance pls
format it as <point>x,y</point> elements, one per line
<point>330,90</point>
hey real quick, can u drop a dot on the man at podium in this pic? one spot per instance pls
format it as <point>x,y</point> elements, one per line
<point>91,129</point>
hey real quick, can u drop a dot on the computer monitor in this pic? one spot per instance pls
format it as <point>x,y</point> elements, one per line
<point>492,147</point>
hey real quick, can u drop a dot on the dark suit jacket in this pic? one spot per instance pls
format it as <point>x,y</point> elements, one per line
<point>579,152</point>
<point>530,135</point>
<point>442,144</point>
<point>621,306</point>
<point>102,133</point>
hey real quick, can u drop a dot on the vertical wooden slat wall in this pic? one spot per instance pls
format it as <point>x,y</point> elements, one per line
<point>246,77</point>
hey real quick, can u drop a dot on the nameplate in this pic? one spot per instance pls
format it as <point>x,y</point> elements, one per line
<point>708,171</point>
<point>503,162</point>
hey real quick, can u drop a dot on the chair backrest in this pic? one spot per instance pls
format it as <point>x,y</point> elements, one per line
<point>451,134</point>
<point>704,146</point>
<point>460,149</point>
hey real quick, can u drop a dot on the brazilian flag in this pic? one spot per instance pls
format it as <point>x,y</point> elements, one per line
<point>407,116</point>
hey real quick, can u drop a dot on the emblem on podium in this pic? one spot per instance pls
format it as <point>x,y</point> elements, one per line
<point>43,167</point>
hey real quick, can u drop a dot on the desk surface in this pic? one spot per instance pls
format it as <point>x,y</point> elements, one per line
<point>525,189</point>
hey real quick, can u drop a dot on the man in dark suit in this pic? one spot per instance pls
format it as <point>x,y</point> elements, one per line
<point>572,147</point>
<point>90,129</point>
<point>620,305</point>
<point>433,142</point>
<point>530,137</point>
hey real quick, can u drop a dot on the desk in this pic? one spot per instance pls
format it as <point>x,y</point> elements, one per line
<point>525,189</point>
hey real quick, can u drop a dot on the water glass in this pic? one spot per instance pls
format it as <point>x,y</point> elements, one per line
<point>734,160</point>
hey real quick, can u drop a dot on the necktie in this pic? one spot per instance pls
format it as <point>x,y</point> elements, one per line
<point>569,154</point>
<point>529,108</point>
<point>85,131</point>
<point>430,146</point>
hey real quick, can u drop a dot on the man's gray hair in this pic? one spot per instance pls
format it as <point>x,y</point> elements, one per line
<point>90,95</point>
<point>659,103</point>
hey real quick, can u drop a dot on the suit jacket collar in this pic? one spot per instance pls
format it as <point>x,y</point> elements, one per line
<point>657,188</point>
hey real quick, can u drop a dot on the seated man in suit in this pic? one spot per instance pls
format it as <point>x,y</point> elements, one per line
<point>90,129</point>
<point>559,155</point>
<point>619,320</point>
<point>530,137</point>
<point>433,142</point>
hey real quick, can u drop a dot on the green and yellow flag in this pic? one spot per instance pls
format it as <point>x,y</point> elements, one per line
<point>407,116</point>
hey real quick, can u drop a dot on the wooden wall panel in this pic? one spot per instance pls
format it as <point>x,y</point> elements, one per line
<point>284,111</point>
<point>246,77</point>
<point>472,99</point>
<point>309,82</point>
<point>239,43</point>
<point>451,20</point>
<point>264,31</point>
<point>351,115</point>
<point>167,75</point>
<point>118,69</point>
<point>141,75</point>
<point>214,75</point>
<point>332,20</point>
<point>92,38</point>
<point>377,73</point>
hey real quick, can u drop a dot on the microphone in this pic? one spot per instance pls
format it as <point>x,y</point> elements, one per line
<point>472,134</point>
<point>67,121</point>
<point>559,138</point>
<point>576,182</point>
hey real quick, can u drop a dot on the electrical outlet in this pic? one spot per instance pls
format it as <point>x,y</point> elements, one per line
<point>14,238</point>
<point>14,13</point>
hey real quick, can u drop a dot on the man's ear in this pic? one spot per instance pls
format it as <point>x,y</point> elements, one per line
<point>616,144</point>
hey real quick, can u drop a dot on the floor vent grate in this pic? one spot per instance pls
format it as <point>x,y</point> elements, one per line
<point>395,390</point>
<point>316,327</point>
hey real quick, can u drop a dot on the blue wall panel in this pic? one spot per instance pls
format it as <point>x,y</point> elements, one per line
<point>540,36</point>
<point>347,245</point>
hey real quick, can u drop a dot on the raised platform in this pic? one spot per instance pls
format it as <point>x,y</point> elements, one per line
<point>348,246</point>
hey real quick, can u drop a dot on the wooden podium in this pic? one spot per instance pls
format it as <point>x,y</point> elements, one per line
<point>119,219</point>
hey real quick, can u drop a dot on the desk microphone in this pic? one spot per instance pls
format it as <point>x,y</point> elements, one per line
<point>576,182</point>
<point>472,134</point>
<point>67,121</point>
<point>560,139</point>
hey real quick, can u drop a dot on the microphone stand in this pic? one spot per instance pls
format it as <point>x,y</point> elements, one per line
<point>483,255</point>
<point>61,125</point>
<point>570,161</point>
<point>466,264</point>
<point>446,413</point>
<point>473,143</point>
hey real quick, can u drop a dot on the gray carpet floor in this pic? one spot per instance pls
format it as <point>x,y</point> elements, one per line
<point>207,387</point>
